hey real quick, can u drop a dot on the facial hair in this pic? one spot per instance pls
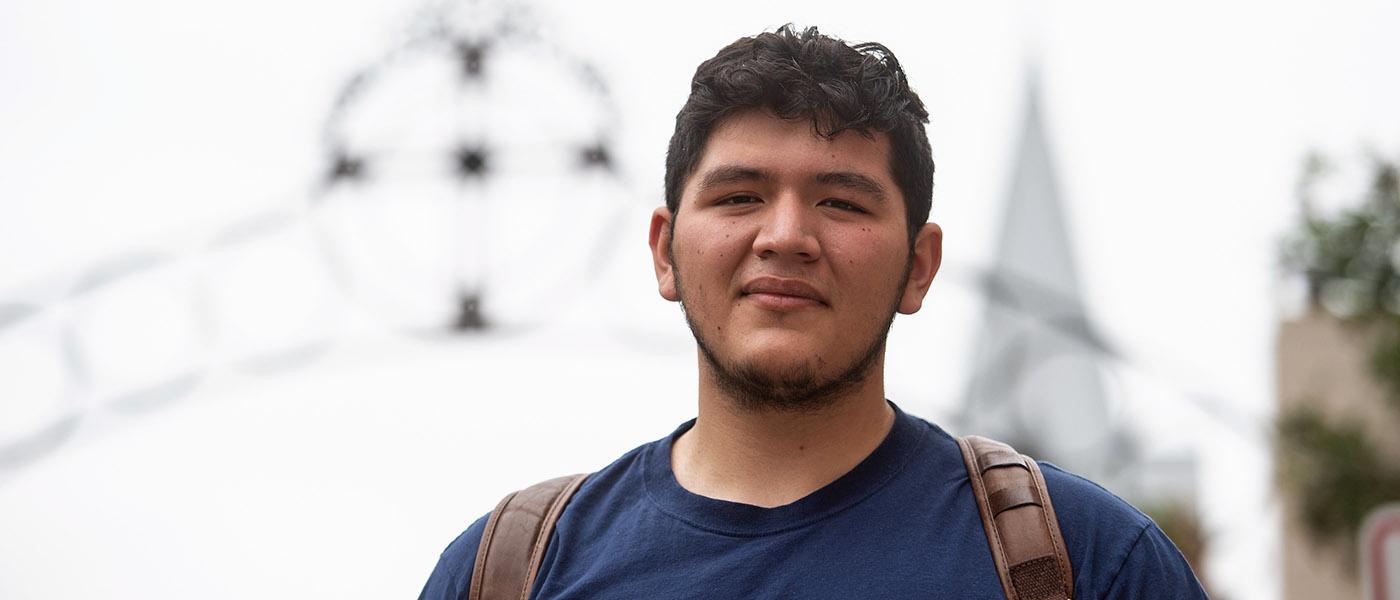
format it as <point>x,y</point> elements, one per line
<point>794,389</point>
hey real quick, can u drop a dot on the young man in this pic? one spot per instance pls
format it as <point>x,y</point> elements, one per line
<point>798,185</point>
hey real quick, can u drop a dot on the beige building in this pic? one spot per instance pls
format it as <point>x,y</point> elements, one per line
<point>1323,361</point>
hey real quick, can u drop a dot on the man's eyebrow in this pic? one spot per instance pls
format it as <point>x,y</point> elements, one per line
<point>853,181</point>
<point>726,174</point>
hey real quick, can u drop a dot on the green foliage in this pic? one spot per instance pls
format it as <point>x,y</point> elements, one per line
<point>1336,472</point>
<point>1350,261</point>
<point>1385,361</point>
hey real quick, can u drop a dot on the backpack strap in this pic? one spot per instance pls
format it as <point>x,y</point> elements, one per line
<point>1022,531</point>
<point>515,539</point>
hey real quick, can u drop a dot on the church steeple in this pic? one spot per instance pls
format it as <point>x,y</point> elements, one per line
<point>1037,379</point>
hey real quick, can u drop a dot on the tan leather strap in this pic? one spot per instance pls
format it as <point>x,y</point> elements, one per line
<point>1020,521</point>
<point>515,539</point>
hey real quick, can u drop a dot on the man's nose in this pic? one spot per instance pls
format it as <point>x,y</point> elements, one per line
<point>787,232</point>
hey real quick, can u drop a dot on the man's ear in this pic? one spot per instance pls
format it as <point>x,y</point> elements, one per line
<point>927,256</point>
<point>660,241</point>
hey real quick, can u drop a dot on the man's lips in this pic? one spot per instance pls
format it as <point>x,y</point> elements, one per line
<point>782,293</point>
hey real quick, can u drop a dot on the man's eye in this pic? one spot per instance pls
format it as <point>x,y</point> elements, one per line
<point>739,199</point>
<point>842,204</point>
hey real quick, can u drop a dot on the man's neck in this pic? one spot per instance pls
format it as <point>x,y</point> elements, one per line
<point>772,457</point>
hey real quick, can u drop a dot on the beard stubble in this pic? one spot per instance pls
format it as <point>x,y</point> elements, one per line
<point>793,389</point>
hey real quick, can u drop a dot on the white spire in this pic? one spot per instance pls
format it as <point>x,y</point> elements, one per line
<point>1037,378</point>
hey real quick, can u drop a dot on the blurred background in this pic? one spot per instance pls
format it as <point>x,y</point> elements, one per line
<point>290,293</point>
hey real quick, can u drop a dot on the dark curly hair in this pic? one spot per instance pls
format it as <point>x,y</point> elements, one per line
<point>807,75</point>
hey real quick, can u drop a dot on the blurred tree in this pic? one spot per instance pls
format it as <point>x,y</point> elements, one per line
<point>1350,261</point>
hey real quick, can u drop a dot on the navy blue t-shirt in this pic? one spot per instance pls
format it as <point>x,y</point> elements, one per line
<point>901,524</point>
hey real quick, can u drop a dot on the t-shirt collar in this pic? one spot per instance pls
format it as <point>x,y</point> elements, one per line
<point>745,520</point>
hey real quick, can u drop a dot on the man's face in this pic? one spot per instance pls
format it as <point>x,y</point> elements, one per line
<point>790,256</point>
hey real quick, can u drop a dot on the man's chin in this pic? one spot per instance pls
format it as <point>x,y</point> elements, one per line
<point>789,386</point>
<point>780,364</point>
<point>786,370</point>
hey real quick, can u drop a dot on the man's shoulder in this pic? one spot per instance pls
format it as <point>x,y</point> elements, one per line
<point>1100,528</point>
<point>1114,547</point>
<point>1076,499</point>
<point>1086,503</point>
<point>452,574</point>
<point>1115,550</point>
